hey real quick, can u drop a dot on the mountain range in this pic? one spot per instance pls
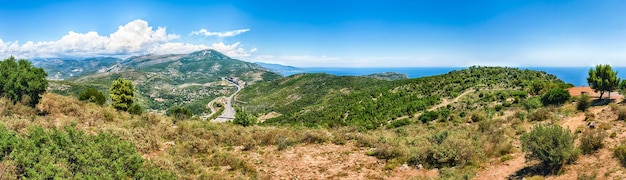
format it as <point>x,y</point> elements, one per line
<point>162,81</point>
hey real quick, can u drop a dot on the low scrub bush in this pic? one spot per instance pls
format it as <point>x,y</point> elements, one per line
<point>135,109</point>
<point>92,95</point>
<point>429,116</point>
<point>71,154</point>
<point>621,113</point>
<point>398,123</point>
<point>180,113</point>
<point>619,152</point>
<point>591,141</point>
<point>583,102</point>
<point>550,144</point>
<point>540,115</point>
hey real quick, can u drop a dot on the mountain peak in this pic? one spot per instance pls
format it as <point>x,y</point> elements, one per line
<point>208,54</point>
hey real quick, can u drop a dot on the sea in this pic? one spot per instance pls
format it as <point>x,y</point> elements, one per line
<point>574,75</point>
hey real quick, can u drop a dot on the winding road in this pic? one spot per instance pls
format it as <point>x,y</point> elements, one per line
<point>229,112</point>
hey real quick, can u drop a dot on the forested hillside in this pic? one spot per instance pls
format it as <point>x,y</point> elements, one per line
<point>327,100</point>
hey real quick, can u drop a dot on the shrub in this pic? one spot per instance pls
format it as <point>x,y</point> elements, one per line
<point>532,103</point>
<point>244,119</point>
<point>135,109</point>
<point>478,116</point>
<point>556,96</point>
<point>71,154</point>
<point>550,144</point>
<point>620,153</point>
<point>583,103</point>
<point>621,114</point>
<point>398,123</point>
<point>180,113</point>
<point>429,116</point>
<point>589,116</point>
<point>21,81</point>
<point>540,115</point>
<point>92,95</point>
<point>591,141</point>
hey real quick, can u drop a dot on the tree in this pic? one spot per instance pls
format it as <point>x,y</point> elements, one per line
<point>92,95</point>
<point>550,144</point>
<point>555,96</point>
<point>22,82</point>
<point>603,79</point>
<point>122,94</point>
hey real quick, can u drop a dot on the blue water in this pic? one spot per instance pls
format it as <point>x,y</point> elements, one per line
<point>574,75</point>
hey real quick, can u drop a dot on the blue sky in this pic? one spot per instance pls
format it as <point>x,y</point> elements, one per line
<point>325,33</point>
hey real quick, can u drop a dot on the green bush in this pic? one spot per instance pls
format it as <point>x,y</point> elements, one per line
<point>556,96</point>
<point>244,119</point>
<point>591,141</point>
<point>92,95</point>
<point>71,154</point>
<point>22,82</point>
<point>398,123</point>
<point>478,116</point>
<point>180,113</point>
<point>550,144</point>
<point>583,103</point>
<point>135,109</point>
<point>532,103</point>
<point>429,116</point>
<point>540,115</point>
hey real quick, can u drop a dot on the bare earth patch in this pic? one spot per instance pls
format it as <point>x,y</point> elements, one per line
<point>269,115</point>
<point>502,170</point>
<point>326,161</point>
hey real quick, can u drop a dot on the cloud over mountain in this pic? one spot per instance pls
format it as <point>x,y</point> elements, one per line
<point>135,38</point>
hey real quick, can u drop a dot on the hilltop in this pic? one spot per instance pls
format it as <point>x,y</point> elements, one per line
<point>328,101</point>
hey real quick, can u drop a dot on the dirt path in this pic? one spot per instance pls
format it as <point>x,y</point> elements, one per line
<point>504,169</point>
<point>445,102</point>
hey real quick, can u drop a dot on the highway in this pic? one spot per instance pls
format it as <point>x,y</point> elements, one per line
<point>229,111</point>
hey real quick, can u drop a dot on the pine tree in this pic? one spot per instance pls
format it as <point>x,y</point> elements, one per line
<point>122,94</point>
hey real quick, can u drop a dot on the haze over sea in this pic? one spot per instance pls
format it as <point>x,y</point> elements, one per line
<point>574,75</point>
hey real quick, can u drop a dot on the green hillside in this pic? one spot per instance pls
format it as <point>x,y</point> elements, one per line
<point>164,81</point>
<point>327,100</point>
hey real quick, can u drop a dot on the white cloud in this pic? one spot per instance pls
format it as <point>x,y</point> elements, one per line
<point>219,34</point>
<point>233,50</point>
<point>134,38</point>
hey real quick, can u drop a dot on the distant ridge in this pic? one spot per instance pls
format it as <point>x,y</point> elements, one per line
<point>278,68</point>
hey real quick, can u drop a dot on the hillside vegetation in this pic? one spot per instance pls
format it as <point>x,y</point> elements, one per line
<point>328,101</point>
<point>166,81</point>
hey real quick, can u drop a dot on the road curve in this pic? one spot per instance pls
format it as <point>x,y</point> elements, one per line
<point>229,111</point>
